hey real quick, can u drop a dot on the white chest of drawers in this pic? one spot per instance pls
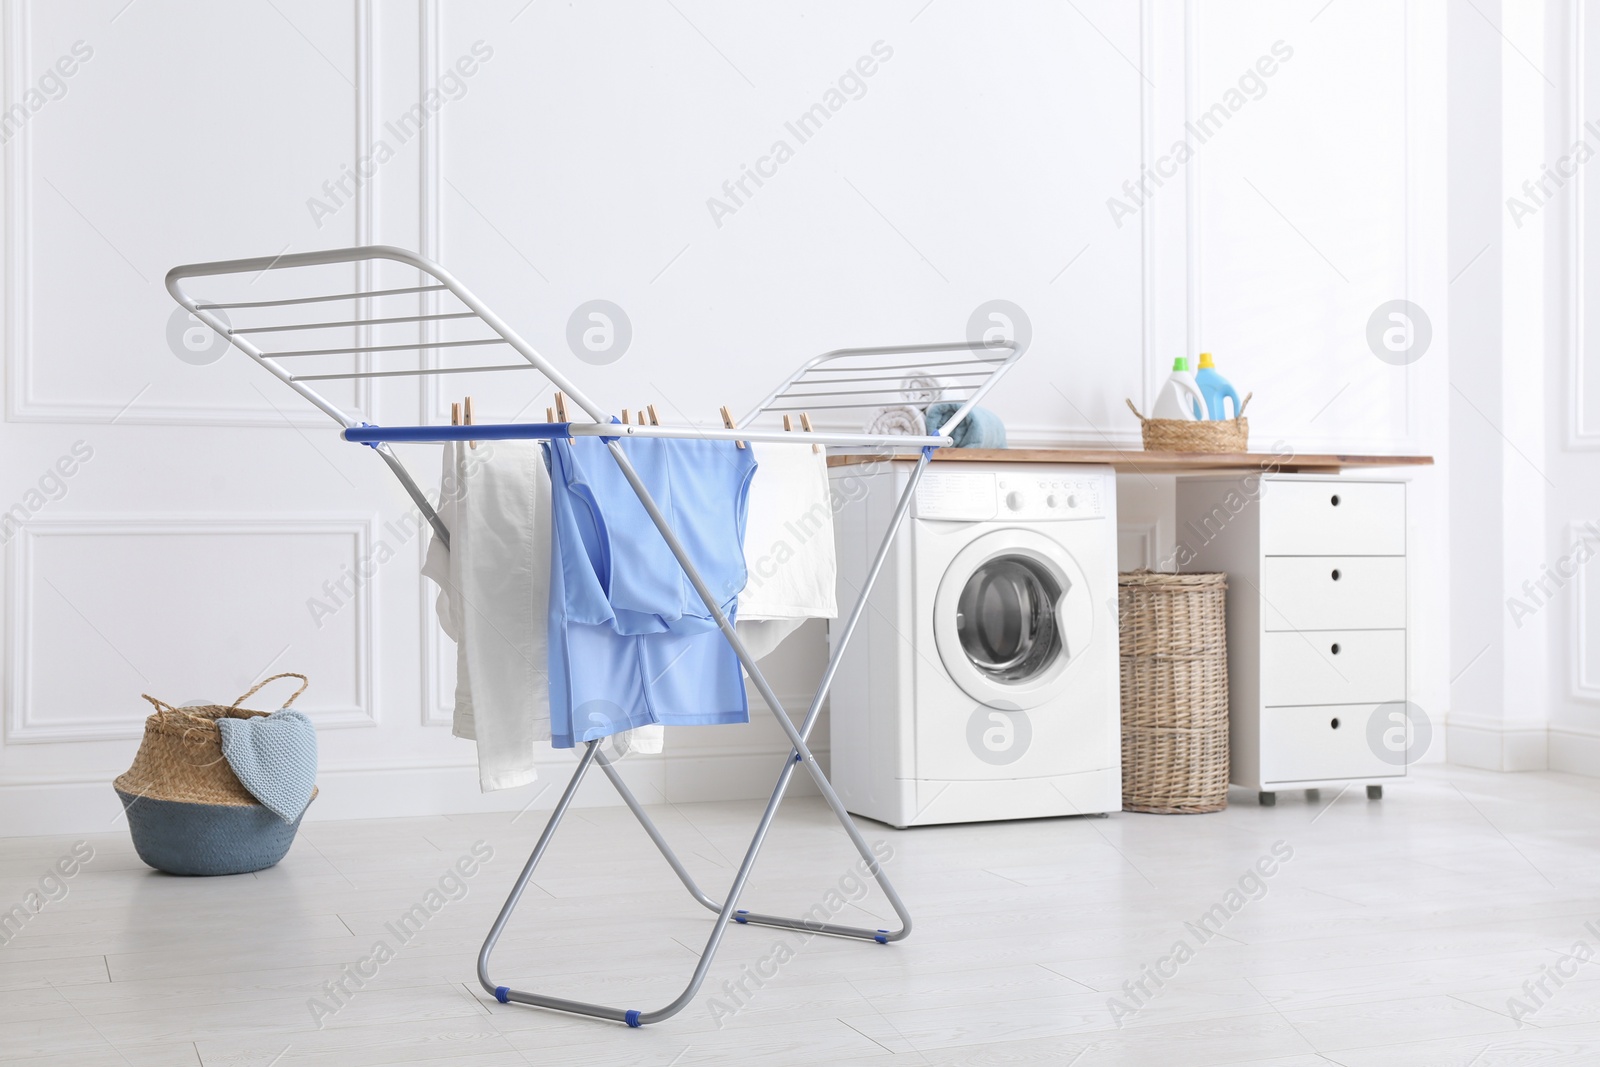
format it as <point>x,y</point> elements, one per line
<point>1317,649</point>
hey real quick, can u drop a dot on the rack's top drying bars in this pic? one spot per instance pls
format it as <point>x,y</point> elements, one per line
<point>838,386</point>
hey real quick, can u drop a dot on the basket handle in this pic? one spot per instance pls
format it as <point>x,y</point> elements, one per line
<point>167,713</point>
<point>1236,416</point>
<point>161,706</point>
<point>304,682</point>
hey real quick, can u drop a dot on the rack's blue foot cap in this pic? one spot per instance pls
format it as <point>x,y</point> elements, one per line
<point>502,993</point>
<point>632,1017</point>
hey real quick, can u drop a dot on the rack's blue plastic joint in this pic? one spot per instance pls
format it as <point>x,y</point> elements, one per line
<point>371,444</point>
<point>927,451</point>
<point>631,1017</point>
<point>502,994</point>
<point>616,422</point>
<point>881,937</point>
<point>797,757</point>
<point>738,916</point>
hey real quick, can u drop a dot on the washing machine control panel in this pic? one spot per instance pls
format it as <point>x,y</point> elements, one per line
<point>1023,495</point>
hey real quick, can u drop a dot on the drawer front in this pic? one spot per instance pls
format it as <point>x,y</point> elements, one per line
<point>1333,593</point>
<point>1333,667</point>
<point>1333,519</point>
<point>1306,745</point>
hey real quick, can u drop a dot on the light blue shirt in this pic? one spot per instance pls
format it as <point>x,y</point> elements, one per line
<point>631,642</point>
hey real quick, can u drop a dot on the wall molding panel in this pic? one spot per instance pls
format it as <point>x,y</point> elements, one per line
<point>1583,431</point>
<point>17,185</point>
<point>25,722</point>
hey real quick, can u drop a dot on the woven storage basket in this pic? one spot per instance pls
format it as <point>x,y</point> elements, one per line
<point>1202,435</point>
<point>187,811</point>
<point>1174,692</point>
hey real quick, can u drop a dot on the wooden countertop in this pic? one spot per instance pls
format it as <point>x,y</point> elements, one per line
<point>1138,460</point>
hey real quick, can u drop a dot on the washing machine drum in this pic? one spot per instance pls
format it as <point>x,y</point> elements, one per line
<point>1011,615</point>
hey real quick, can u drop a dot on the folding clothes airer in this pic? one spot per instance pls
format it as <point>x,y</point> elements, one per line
<point>846,381</point>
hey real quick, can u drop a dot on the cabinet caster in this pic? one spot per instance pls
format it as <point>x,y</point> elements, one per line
<point>1267,800</point>
<point>1313,795</point>
<point>1374,792</point>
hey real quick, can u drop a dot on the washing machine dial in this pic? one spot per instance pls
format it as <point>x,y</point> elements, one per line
<point>1072,501</point>
<point>1015,500</point>
<point>1052,501</point>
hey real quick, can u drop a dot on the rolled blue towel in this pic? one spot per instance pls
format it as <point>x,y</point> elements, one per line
<point>981,428</point>
<point>275,758</point>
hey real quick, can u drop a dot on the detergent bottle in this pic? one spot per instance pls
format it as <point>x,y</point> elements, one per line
<point>1180,398</point>
<point>1215,388</point>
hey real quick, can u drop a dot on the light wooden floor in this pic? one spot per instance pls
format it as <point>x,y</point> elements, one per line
<point>1395,935</point>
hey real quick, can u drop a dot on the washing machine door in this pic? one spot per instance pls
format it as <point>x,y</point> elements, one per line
<point>1011,613</point>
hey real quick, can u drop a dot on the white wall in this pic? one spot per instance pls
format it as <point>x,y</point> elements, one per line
<point>576,162</point>
<point>1524,401</point>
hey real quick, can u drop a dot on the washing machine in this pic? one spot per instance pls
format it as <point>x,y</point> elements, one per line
<point>983,682</point>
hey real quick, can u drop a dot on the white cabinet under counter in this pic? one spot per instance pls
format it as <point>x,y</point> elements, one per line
<point>1317,639</point>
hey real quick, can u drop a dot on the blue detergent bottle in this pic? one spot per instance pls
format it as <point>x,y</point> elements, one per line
<point>1214,387</point>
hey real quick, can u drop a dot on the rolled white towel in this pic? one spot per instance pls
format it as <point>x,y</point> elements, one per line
<point>921,389</point>
<point>901,419</point>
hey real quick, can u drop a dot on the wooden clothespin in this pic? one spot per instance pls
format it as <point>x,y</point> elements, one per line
<point>727,420</point>
<point>549,414</point>
<point>625,416</point>
<point>467,411</point>
<point>455,413</point>
<point>654,420</point>
<point>805,424</point>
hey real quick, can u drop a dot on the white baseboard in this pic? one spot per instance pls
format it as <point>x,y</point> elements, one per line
<point>1575,751</point>
<point>44,808</point>
<point>1495,746</point>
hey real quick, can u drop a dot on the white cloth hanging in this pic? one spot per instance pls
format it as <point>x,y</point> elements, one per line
<point>788,546</point>
<point>494,595</point>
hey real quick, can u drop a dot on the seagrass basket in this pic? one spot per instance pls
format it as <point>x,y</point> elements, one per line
<point>188,813</point>
<point>1174,692</point>
<point>1202,435</point>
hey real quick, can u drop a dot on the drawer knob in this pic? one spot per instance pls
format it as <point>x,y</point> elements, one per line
<point>1335,648</point>
<point>1334,724</point>
<point>1334,500</point>
<point>1336,574</point>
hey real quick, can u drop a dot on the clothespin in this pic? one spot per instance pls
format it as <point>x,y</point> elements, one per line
<point>549,414</point>
<point>455,413</point>
<point>654,420</point>
<point>727,420</point>
<point>805,424</point>
<point>467,410</point>
<point>561,412</point>
<point>624,416</point>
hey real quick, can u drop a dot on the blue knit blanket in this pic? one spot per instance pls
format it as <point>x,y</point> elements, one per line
<point>275,757</point>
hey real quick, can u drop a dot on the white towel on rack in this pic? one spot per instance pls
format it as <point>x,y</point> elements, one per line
<point>494,583</point>
<point>788,546</point>
<point>901,419</point>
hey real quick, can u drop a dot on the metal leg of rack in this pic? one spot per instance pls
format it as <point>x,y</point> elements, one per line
<point>799,754</point>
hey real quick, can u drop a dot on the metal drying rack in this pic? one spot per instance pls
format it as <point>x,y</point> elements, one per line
<point>844,382</point>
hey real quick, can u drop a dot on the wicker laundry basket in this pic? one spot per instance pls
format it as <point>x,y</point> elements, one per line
<point>1201,435</point>
<point>187,811</point>
<point>1174,692</point>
